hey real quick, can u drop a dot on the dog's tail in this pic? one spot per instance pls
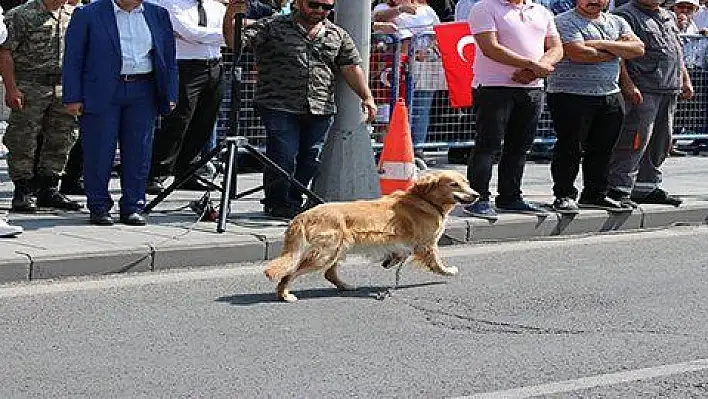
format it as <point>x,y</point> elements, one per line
<point>294,247</point>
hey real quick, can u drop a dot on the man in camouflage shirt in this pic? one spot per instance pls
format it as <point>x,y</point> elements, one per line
<point>298,57</point>
<point>30,63</point>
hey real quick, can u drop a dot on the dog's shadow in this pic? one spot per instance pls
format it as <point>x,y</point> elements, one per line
<point>370,292</point>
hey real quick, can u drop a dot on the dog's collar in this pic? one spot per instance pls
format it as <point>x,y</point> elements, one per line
<point>436,207</point>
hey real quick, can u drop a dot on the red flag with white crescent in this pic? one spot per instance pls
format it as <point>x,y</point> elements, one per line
<point>456,45</point>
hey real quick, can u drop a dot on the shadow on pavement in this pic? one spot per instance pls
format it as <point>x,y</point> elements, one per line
<point>371,292</point>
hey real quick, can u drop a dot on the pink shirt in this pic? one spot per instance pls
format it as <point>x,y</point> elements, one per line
<point>520,28</point>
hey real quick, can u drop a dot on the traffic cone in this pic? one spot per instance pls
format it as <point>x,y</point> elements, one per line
<point>396,166</point>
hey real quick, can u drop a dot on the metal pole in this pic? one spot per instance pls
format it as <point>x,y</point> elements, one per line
<point>348,169</point>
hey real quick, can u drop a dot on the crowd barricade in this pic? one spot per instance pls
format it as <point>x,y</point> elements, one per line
<point>420,69</point>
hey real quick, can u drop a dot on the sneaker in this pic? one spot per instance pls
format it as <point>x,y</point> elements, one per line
<point>482,209</point>
<point>658,196</point>
<point>624,199</point>
<point>520,206</point>
<point>565,204</point>
<point>7,230</point>
<point>601,202</point>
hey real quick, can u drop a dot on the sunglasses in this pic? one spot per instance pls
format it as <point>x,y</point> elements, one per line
<point>314,5</point>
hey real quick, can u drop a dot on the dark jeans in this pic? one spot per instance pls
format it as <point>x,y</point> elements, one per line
<point>294,142</point>
<point>586,127</point>
<point>188,128</point>
<point>509,115</point>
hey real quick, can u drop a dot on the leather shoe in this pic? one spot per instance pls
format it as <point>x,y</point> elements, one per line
<point>132,219</point>
<point>194,185</point>
<point>101,219</point>
<point>72,187</point>
<point>154,187</point>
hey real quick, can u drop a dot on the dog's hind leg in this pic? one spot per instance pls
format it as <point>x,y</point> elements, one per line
<point>430,259</point>
<point>394,259</point>
<point>332,277</point>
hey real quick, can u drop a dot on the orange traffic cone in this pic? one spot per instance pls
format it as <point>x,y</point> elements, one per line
<point>396,166</point>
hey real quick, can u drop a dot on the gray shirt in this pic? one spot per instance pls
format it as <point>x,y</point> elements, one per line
<point>591,79</point>
<point>659,69</point>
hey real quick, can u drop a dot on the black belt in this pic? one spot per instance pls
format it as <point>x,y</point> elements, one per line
<point>136,77</point>
<point>200,62</point>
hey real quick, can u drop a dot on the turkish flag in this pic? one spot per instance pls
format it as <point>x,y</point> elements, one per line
<point>456,45</point>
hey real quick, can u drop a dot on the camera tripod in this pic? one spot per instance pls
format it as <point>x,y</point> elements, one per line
<point>232,142</point>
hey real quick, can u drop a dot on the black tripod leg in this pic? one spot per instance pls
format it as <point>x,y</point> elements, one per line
<point>225,206</point>
<point>180,180</point>
<point>269,163</point>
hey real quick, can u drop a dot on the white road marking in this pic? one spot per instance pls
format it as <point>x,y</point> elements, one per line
<point>85,283</point>
<point>602,380</point>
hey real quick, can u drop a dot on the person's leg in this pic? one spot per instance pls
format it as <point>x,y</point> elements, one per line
<point>572,117</point>
<point>657,149</point>
<point>168,139</point>
<point>59,134</point>
<point>282,143</point>
<point>634,136</point>
<point>201,125</point>
<point>420,117</point>
<point>493,108</point>
<point>23,130</point>
<point>100,134</point>
<point>137,122</point>
<point>313,133</point>
<point>521,130</point>
<point>71,182</point>
<point>598,145</point>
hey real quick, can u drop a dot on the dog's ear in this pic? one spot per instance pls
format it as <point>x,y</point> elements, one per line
<point>425,183</point>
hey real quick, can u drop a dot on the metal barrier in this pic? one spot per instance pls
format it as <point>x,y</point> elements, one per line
<point>420,70</point>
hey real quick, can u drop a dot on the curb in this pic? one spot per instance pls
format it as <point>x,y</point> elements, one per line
<point>64,253</point>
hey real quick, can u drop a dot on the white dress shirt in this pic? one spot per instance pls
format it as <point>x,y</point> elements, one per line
<point>3,29</point>
<point>135,40</point>
<point>194,41</point>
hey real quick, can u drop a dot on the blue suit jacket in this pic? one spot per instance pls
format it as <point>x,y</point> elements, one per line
<point>92,56</point>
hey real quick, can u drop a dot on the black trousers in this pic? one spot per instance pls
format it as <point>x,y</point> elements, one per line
<point>586,127</point>
<point>187,129</point>
<point>509,115</point>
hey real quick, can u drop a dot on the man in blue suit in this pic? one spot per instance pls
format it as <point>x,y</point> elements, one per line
<point>119,71</point>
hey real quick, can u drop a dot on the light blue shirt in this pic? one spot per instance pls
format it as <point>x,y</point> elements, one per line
<point>135,40</point>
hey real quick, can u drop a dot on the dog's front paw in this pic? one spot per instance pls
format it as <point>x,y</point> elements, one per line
<point>450,271</point>
<point>288,298</point>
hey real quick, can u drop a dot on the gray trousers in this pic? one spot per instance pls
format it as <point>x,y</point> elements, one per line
<point>643,145</point>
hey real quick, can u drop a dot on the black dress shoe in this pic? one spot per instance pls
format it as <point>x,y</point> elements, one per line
<point>132,219</point>
<point>194,185</point>
<point>154,187</point>
<point>101,219</point>
<point>72,187</point>
<point>658,196</point>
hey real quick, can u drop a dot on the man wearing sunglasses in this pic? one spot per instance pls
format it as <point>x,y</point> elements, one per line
<point>298,57</point>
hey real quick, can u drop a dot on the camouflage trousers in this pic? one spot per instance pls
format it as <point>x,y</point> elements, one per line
<point>42,119</point>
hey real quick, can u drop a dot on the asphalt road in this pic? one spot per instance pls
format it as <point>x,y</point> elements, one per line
<point>619,315</point>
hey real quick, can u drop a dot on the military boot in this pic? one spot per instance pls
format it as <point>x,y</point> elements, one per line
<point>48,195</point>
<point>22,200</point>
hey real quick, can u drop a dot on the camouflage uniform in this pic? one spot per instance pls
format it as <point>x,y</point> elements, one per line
<point>36,42</point>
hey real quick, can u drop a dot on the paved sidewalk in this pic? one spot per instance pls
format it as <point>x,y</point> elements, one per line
<point>64,244</point>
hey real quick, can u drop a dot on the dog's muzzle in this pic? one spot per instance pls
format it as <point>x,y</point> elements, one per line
<point>466,198</point>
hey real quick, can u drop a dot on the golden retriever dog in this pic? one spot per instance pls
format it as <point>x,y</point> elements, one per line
<point>396,225</point>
